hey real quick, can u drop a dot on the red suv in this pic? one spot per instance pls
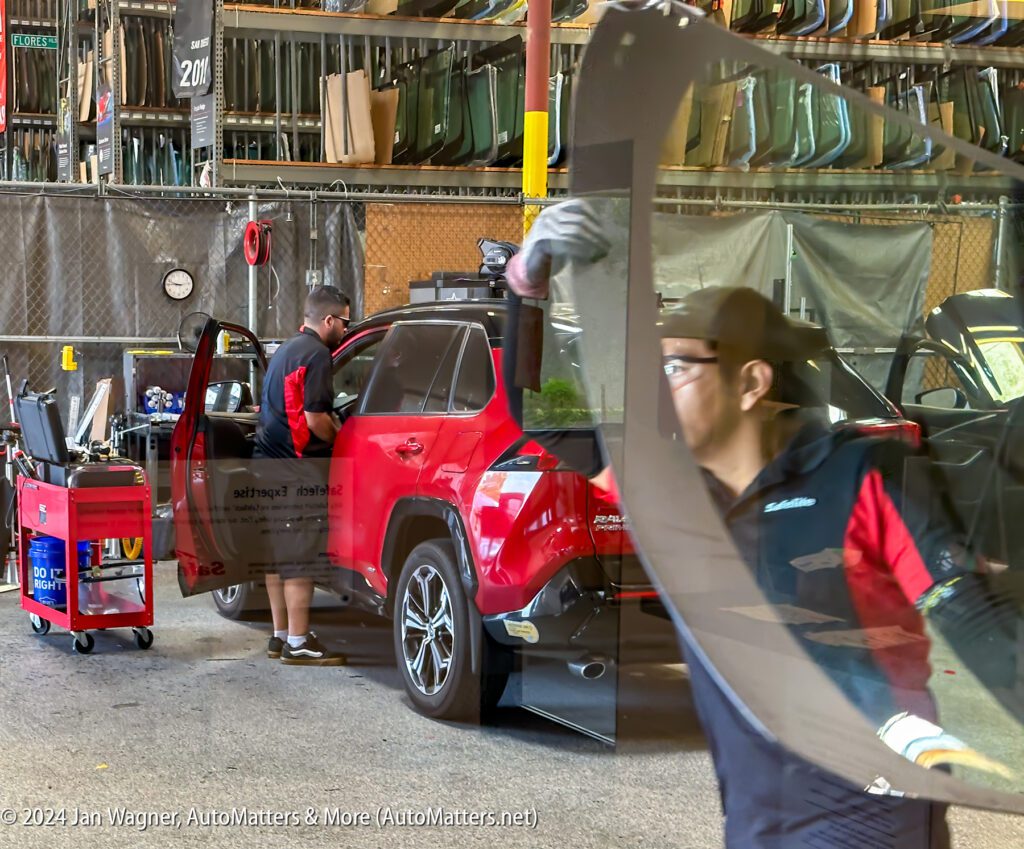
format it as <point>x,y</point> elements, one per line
<point>442,514</point>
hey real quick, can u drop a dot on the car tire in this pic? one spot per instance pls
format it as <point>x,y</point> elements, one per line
<point>242,601</point>
<point>447,689</point>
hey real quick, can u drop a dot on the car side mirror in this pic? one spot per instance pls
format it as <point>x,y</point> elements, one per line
<point>946,398</point>
<point>227,396</point>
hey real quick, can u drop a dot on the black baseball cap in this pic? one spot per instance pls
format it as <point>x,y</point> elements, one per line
<point>743,324</point>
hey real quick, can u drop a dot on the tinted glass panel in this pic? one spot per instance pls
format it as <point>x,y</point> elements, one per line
<point>353,369</point>
<point>441,388</point>
<point>476,375</point>
<point>407,365</point>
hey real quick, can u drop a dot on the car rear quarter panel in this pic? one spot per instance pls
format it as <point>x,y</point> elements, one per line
<point>522,526</point>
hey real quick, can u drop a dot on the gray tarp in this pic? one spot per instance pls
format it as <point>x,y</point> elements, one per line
<point>866,284</point>
<point>93,267</point>
<point>694,252</point>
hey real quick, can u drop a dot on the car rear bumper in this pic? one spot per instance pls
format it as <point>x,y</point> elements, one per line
<point>580,612</point>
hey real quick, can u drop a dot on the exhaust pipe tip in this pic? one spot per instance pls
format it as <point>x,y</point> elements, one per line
<point>589,668</point>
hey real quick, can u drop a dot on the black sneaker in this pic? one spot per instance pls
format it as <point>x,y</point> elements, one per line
<point>311,653</point>
<point>274,648</point>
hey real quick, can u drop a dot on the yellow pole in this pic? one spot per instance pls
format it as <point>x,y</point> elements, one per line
<point>535,125</point>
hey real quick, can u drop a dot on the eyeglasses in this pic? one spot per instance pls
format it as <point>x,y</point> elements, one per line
<point>679,367</point>
<point>343,318</point>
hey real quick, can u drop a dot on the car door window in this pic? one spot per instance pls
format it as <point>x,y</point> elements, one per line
<point>475,384</point>
<point>352,370</point>
<point>932,381</point>
<point>408,362</point>
<point>441,389</point>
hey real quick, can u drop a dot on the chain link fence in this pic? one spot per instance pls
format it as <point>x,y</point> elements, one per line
<point>88,271</point>
<point>406,242</point>
<point>972,246</point>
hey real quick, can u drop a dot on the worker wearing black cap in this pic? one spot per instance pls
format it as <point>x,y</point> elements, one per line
<point>789,490</point>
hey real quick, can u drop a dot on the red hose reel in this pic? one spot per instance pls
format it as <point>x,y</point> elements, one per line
<point>256,242</point>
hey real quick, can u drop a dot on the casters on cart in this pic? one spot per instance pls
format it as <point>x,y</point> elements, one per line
<point>83,642</point>
<point>143,638</point>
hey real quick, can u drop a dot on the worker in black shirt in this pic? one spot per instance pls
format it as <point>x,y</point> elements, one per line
<point>794,494</point>
<point>294,440</point>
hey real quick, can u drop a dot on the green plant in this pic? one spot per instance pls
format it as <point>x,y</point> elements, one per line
<point>558,404</point>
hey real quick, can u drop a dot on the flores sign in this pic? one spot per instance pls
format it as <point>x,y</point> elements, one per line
<point>35,42</point>
<point>193,35</point>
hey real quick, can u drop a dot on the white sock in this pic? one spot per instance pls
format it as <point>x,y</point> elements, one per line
<point>281,635</point>
<point>295,642</point>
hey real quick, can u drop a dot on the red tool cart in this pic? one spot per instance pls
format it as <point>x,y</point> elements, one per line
<point>114,595</point>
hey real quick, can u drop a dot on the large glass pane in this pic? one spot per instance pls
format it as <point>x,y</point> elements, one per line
<point>458,144</point>
<point>481,84</point>
<point>407,121</point>
<point>434,103</point>
<point>841,564</point>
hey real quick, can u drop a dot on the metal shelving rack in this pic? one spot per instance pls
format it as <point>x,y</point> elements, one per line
<point>298,25</point>
<point>796,180</point>
<point>35,23</point>
<point>313,26</point>
<point>240,172</point>
<point>241,20</point>
<point>217,154</point>
<point>18,120</point>
<point>27,120</point>
<point>68,34</point>
<point>888,52</point>
<point>259,21</point>
<point>113,17</point>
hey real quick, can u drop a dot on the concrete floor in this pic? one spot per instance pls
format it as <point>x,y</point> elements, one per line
<point>204,721</point>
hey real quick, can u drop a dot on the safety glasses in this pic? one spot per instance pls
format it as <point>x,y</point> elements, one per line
<point>679,367</point>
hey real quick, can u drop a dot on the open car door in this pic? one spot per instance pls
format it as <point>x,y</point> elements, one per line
<point>212,485</point>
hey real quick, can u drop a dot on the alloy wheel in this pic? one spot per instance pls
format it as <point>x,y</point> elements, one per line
<point>227,595</point>
<point>428,632</point>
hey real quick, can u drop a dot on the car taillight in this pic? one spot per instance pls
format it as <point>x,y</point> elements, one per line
<point>901,429</point>
<point>634,595</point>
<point>547,462</point>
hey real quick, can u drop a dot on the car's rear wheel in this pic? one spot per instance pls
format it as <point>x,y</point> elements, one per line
<point>432,639</point>
<point>241,601</point>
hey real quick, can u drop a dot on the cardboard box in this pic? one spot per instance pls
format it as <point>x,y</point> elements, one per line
<point>383,116</point>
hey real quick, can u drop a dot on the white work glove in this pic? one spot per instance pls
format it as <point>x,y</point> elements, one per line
<point>570,230</point>
<point>926,744</point>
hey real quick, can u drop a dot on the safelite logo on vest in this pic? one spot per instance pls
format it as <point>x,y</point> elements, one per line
<point>789,504</point>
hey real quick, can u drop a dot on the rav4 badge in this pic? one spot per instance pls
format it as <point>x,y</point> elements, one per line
<point>523,630</point>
